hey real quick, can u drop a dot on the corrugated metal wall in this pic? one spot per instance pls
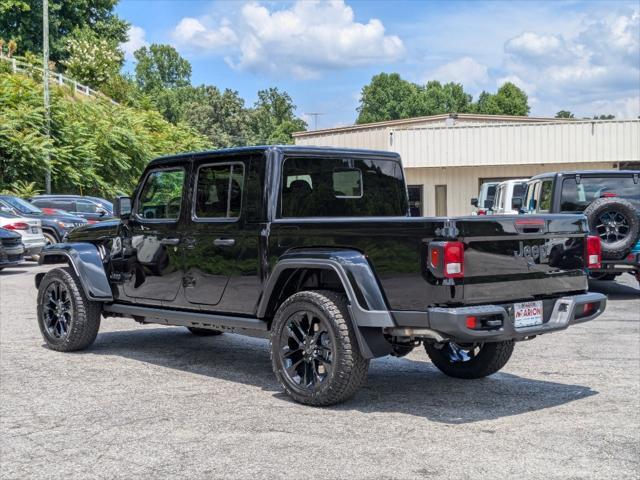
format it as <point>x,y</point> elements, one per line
<point>520,144</point>
<point>462,182</point>
<point>373,138</point>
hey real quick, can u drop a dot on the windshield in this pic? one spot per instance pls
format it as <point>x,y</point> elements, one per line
<point>21,205</point>
<point>577,196</point>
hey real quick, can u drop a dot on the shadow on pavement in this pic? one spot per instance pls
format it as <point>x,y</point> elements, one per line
<point>394,385</point>
<point>614,290</point>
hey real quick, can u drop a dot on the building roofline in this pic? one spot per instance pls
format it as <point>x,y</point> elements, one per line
<point>429,118</point>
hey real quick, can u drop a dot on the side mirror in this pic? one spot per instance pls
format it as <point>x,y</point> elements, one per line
<point>516,203</point>
<point>122,207</point>
<point>474,202</point>
<point>101,211</point>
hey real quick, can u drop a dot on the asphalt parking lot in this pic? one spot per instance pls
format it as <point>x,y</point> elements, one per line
<point>158,402</point>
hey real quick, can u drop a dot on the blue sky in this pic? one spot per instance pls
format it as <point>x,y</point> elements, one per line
<point>578,56</point>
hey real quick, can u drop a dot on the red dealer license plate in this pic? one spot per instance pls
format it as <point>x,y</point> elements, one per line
<point>527,314</point>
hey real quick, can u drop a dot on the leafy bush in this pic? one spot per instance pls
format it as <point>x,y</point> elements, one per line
<point>96,147</point>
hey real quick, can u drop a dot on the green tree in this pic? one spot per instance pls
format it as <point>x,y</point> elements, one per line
<point>508,100</point>
<point>436,98</point>
<point>161,66</point>
<point>272,120</point>
<point>221,117</point>
<point>512,100</point>
<point>388,97</point>
<point>92,60</point>
<point>22,20</point>
<point>564,114</point>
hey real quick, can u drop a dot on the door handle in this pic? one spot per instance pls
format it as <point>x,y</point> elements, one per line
<point>170,241</point>
<point>224,242</point>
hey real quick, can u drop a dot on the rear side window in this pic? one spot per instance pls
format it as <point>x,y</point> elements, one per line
<point>161,195</point>
<point>342,187</point>
<point>577,196</point>
<point>219,191</point>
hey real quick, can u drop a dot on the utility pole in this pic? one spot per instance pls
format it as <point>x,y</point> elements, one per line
<point>315,116</point>
<point>45,77</point>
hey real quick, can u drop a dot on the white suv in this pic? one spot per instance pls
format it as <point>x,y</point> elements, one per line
<point>29,228</point>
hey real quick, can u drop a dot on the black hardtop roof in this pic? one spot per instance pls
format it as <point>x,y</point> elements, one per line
<point>285,149</point>
<point>568,173</point>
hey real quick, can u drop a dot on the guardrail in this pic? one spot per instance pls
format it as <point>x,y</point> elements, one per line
<point>18,66</point>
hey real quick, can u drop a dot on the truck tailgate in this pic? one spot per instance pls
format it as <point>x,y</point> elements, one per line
<point>524,256</point>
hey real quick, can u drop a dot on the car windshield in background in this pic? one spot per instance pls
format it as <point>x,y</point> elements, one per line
<point>577,196</point>
<point>21,205</point>
<point>519,189</point>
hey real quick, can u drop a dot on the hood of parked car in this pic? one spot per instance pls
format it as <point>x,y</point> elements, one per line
<point>4,233</point>
<point>94,231</point>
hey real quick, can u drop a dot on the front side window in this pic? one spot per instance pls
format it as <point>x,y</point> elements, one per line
<point>342,187</point>
<point>219,191</point>
<point>86,207</point>
<point>576,196</point>
<point>161,195</point>
<point>530,202</point>
<point>545,196</point>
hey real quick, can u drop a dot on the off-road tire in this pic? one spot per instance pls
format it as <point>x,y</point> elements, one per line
<point>491,358</point>
<point>85,318</point>
<point>614,250</point>
<point>204,332</point>
<point>349,366</point>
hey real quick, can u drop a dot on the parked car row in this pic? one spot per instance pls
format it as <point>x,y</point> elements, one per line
<point>609,199</point>
<point>36,227</point>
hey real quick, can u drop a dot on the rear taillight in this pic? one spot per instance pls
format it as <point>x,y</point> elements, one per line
<point>594,252</point>
<point>482,212</point>
<point>453,259</point>
<point>446,259</point>
<point>17,226</point>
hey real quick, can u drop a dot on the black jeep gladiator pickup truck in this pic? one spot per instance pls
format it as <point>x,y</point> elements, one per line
<point>314,248</point>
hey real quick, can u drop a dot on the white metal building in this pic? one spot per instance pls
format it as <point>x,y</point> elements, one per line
<point>447,157</point>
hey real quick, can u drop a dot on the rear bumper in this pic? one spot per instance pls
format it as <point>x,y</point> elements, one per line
<point>627,264</point>
<point>11,256</point>
<point>450,323</point>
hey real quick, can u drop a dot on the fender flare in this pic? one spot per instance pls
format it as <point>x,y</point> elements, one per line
<point>86,261</point>
<point>367,305</point>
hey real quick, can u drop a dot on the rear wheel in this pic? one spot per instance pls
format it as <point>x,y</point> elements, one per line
<point>469,360</point>
<point>204,332</point>
<point>314,351</point>
<point>68,321</point>
<point>49,238</point>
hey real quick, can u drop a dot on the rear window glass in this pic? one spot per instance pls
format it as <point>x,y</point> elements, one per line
<point>519,189</point>
<point>577,196</point>
<point>342,187</point>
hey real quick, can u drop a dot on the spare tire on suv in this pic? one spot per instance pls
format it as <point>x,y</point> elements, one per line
<point>616,222</point>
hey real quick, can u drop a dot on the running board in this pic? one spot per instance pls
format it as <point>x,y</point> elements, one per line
<point>186,319</point>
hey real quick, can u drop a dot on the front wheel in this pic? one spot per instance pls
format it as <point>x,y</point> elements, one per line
<point>473,360</point>
<point>68,321</point>
<point>314,351</point>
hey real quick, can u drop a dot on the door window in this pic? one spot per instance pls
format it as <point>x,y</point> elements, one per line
<point>219,191</point>
<point>161,195</point>
<point>530,202</point>
<point>545,196</point>
<point>83,206</point>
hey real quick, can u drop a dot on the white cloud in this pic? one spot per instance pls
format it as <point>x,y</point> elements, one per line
<point>191,32</point>
<point>467,71</point>
<point>303,40</point>
<point>598,68</point>
<point>136,40</point>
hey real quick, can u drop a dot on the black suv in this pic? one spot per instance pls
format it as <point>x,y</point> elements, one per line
<point>314,248</point>
<point>610,199</point>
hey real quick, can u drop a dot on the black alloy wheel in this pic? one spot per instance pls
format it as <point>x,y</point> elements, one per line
<point>306,350</point>
<point>57,310</point>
